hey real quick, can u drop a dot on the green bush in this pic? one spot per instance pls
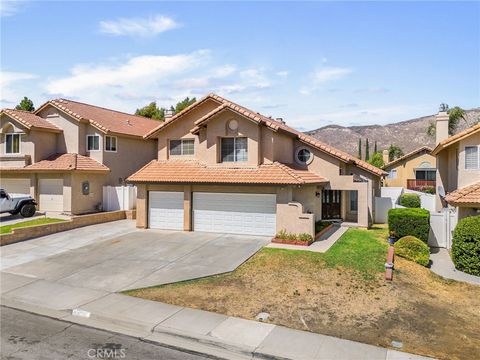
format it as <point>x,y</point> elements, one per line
<point>428,190</point>
<point>410,200</point>
<point>466,245</point>
<point>409,222</point>
<point>412,248</point>
<point>305,237</point>
<point>283,234</point>
<point>320,225</point>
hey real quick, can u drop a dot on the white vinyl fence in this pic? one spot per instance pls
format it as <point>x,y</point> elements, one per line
<point>442,225</point>
<point>119,198</point>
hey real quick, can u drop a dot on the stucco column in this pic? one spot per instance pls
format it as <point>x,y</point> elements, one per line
<point>142,206</point>
<point>187,208</point>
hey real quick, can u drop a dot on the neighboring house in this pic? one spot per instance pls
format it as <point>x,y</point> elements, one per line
<point>65,152</point>
<point>415,170</point>
<point>224,168</point>
<point>458,168</point>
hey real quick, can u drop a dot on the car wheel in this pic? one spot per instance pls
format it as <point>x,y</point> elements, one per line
<point>28,210</point>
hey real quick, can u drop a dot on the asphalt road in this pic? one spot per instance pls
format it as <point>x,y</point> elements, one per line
<point>28,336</point>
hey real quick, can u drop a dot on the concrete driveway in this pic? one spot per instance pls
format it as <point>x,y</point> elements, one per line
<point>116,256</point>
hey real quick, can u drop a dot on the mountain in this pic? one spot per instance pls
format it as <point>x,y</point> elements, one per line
<point>409,135</point>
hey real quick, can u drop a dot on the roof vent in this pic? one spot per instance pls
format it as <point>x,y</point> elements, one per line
<point>280,120</point>
<point>169,114</point>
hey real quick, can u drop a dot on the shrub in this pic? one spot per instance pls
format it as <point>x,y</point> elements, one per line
<point>428,190</point>
<point>320,225</point>
<point>466,245</point>
<point>409,222</point>
<point>412,248</point>
<point>410,200</point>
<point>305,237</point>
<point>283,234</point>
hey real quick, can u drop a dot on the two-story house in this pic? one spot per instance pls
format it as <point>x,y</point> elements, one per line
<point>415,170</point>
<point>458,168</point>
<point>66,151</point>
<point>223,168</point>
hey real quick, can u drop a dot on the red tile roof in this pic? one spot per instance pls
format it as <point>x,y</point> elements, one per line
<point>273,124</point>
<point>406,156</point>
<point>106,120</point>
<point>64,162</point>
<point>454,138</point>
<point>30,120</point>
<point>184,171</point>
<point>468,195</point>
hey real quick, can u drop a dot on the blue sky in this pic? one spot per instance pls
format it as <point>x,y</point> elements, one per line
<point>312,63</point>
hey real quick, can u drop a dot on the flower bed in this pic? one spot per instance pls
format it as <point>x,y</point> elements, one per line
<point>283,237</point>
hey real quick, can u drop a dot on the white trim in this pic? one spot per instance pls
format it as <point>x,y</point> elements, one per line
<point>234,149</point>
<point>19,145</point>
<point>99,145</point>
<point>105,143</point>
<point>465,157</point>
<point>310,159</point>
<point>181,147</point>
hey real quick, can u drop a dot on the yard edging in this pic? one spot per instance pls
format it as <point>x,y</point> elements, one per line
<point>26,233</point>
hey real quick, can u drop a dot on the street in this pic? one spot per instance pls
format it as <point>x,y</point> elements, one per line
<point>29,336</point>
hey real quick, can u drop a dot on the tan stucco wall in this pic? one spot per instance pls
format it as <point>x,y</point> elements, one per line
<point>69,142</point>
<point>406,169</point>
<point>467,177</point>
<point>86,203</point>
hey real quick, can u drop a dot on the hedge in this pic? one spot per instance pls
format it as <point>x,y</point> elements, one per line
<point>412,248</point>
<point>409,222</point>
<point>410,200</point>
<point>466,245</point>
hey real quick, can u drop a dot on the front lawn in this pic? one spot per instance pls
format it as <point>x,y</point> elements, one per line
<point>5,229</point>
<point>343,293</point>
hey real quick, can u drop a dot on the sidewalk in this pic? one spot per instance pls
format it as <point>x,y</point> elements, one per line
<point>442,265</point>
<point>199,331</point>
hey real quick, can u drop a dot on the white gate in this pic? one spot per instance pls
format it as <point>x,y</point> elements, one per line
<point>442,225</point>
<point>119,198</point>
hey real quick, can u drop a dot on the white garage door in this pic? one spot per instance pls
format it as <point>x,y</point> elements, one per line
<point>16,186</point>
<point>253,214</point>
<point>50,194</point>
<point>165,210</point>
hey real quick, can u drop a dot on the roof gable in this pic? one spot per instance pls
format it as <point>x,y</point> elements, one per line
<point>456,138</point>
<point>105,120</point>
<point>30,120</point>
<point>411,154</point>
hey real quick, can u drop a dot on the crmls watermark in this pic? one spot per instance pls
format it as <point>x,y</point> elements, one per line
<point>108,351</point>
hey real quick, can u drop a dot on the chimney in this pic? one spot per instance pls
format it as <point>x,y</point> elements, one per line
<point>386,159</point>
<point>441,124</point>
<point>169,114</point>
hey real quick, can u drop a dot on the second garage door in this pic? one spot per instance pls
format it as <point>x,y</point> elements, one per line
<point>165,210</point>
<point>234,213</point>
<point>50,194</point>
<point>16,186</point>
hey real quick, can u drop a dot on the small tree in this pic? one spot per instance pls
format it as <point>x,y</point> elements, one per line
<point>367,151</point>
<point>183,104</point>
<point>376,160</point>
<point>394,152</point>
<point>152,111</point>
<point>26,104</point>
<point>375,147</point>
<point>360,149</point>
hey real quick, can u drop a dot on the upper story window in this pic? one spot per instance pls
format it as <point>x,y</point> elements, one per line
<point>111,143</point>
<point>182,147</point>
<point>12,143</point>
<point>234,149</point>
<point>472,157</point>
<point>303,156</point>
<point>392,174</point>
<point>93,142</point>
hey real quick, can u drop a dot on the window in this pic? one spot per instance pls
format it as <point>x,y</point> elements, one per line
<point>392,174</point>
<point>111,143</point>
<point>234,149</point>
<point>182,147</point>
<point>93,142</point>
<point>12,143</point>
<point>353,200</point>
<point>471,158</point>
<point>425,175</point>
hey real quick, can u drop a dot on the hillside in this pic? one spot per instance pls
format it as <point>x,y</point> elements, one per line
<point>409,134</point>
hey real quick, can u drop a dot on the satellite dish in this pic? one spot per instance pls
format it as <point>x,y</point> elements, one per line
<point>441,191</point>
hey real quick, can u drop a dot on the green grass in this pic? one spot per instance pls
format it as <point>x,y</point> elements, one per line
<point>8,228</point>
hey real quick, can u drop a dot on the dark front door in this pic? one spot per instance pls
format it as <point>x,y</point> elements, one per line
<point>331,203</point>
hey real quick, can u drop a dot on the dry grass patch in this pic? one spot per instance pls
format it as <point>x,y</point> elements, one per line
<point>343,293</point>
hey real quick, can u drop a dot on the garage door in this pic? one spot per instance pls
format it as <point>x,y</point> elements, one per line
<point>253,214</point>
<point>165,210</point>
<point>16,186</point>
<point>50,194</point>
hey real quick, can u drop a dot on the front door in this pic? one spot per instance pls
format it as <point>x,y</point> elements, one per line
<point>331,204</point>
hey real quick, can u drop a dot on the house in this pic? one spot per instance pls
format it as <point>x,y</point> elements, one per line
<point>66,151</point>
<point>458,168</point>
<point>414,171</point>
<point>224,168</point>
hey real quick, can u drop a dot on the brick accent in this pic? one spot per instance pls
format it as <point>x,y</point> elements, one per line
<point>22,234</point>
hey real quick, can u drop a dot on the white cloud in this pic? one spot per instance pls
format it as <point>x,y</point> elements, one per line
<point>12,86</point>
<point>282,74</point>
<point>330,73</point>
<point>142,27</point>
<point>9,8</point>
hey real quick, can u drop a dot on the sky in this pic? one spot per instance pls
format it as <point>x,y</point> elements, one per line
<point>310,63</point>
